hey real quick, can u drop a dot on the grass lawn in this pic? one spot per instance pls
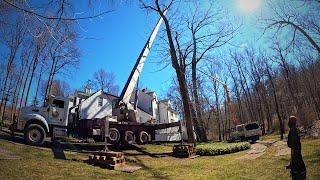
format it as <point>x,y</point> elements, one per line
<point>40,164</point>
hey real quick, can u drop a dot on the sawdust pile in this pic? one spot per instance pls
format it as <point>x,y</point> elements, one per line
<point>313,131</point>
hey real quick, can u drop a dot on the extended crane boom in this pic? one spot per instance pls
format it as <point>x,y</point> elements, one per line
<point>124,110</point>
<point>135,73</point>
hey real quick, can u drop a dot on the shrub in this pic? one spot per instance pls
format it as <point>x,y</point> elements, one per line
<point>213,149</point>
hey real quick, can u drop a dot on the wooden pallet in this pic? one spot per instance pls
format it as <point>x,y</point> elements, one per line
<point>184,150</point>
<point>108,159</point>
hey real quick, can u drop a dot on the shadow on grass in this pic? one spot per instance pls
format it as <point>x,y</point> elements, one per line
<point>17,138</point>
<point>142,152</point>
<point>156,174</point>
<point>58,150</point>
<point>58,147</point>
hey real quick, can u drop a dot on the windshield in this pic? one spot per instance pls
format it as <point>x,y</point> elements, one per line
<point>58,103</point>
<point>239,128</point>
<point>252,126</point>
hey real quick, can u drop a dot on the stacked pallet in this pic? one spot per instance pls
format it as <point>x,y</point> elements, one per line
<point>184,150</point>
<point>108,159</point>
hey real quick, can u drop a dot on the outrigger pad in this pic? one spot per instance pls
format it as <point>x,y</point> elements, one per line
<point>184,150</point>
<point>108,159</point>
<point>111,160</point>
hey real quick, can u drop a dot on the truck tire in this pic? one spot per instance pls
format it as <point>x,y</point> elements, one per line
<point>254,139</point>
<point>242,138</point>
<point>143,137</point>
<point>129,137</point>
<point>114,136</point>
<point>34,135</point>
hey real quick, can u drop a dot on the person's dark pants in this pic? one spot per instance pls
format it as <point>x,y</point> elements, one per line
<point>298,168</point>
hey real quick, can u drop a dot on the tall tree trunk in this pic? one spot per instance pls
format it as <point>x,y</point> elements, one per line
<point>239,101</point>
<point>267,106</point>
<point>197,104</point>
<point>245,88</point>
<point>24,87</point>
<point>180,77</point>
<point>50,78</point>
<point>34,66</point>
<point>281,124</point>
<point>37,88</point>
<point>217,108</point>
<point>5,102</point>
<point>4,88</point>
<point>16,92</point>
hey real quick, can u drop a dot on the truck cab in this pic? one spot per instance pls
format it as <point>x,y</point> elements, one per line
<point>37,123</point>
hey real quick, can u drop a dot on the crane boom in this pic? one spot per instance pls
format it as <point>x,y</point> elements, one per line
<point>135,73</point>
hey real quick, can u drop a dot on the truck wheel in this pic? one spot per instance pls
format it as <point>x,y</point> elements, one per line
<point>34,135</point>
<point>114,136</point>
<point>242,138</point>
<point>129,137</point>
<point>143,137</point>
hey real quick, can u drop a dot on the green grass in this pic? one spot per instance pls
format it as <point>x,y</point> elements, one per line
<point>213,149</point>
<point>40,164</point>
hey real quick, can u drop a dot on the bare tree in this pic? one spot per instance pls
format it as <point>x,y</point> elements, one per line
<point>63,52</point>
<point>61,88</point>
<point>12,39</point>
<point>290,16</point>
<point>105,81</point>
<point>207,33</point>
<point>178,67</point>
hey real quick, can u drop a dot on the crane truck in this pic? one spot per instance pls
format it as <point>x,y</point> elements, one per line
<point>54,118</point>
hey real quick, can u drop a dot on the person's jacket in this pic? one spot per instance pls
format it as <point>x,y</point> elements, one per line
<point>294,139</point>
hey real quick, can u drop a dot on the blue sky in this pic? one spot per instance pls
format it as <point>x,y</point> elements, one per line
<point>120,36</point>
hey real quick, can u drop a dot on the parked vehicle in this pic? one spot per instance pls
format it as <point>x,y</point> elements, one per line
<point>244,132</point>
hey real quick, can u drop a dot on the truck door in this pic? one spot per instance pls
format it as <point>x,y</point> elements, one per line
<point>57,112</point>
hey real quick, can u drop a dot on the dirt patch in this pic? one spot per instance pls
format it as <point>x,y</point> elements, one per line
<point>256,151</point>
<point>8,155</point>
<point>282,148</point>
<point>257,148</point>
<point>128,169</point>
<point>268,142</point>
<point>250,156</point>
<point>280,143</point>
<point>314,130</point>
<point>282,151</point>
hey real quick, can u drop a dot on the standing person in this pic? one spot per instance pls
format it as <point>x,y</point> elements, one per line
<point>297,166</point>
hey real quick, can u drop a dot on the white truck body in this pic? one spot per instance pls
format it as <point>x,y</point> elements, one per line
<point>247,131</point>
